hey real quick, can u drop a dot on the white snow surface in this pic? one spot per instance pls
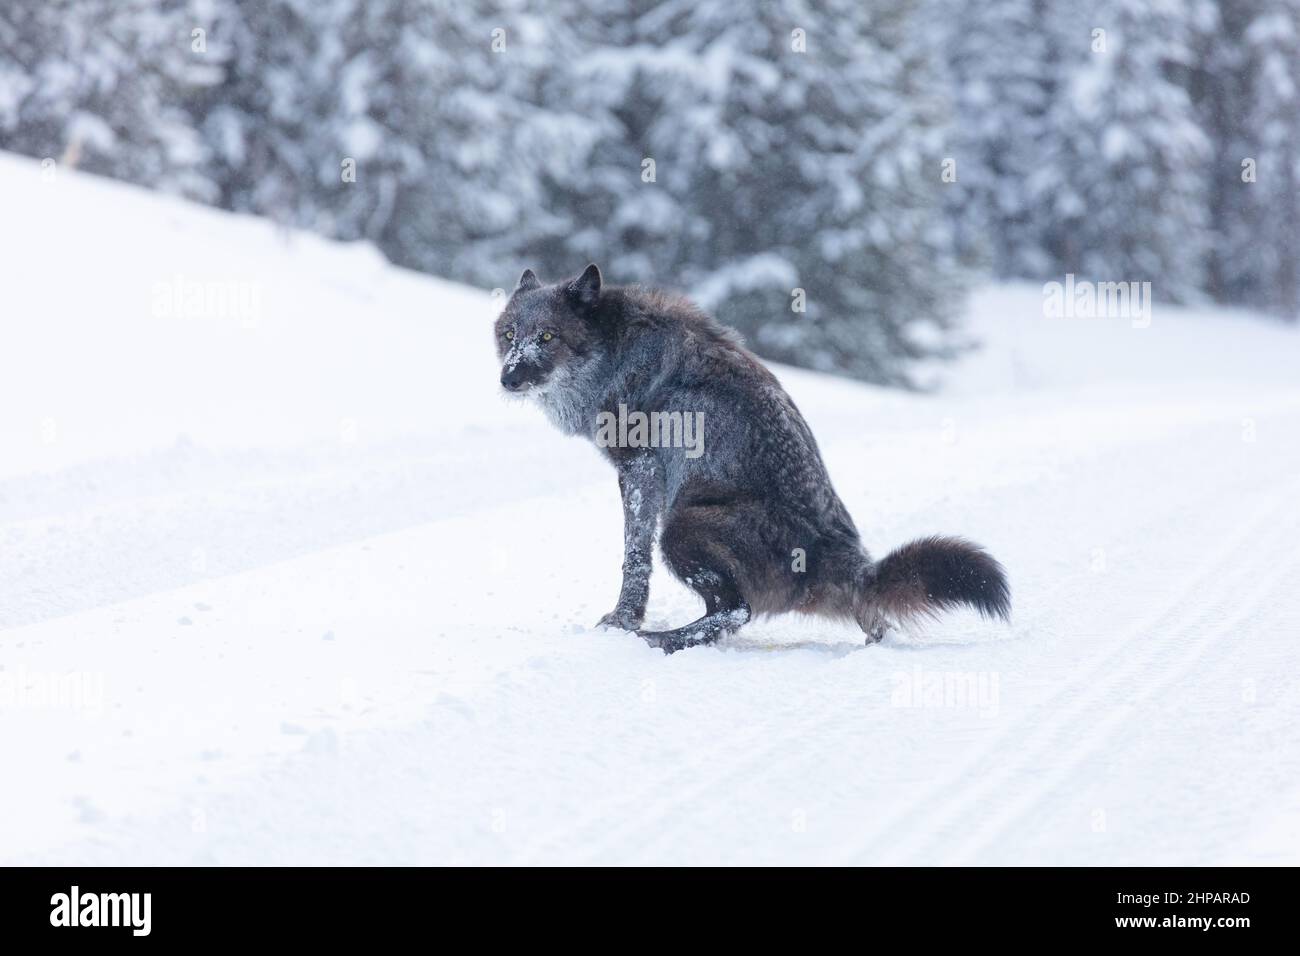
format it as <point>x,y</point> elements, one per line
<point>293,583</point>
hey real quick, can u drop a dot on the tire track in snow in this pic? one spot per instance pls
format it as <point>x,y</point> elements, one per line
<point>610,822</point>
<point>690,788</point>
<point>1100,733</point>
<point>974,791</point>
<point>184,515</point>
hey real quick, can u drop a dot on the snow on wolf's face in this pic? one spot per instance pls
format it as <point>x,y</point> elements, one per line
<point>543,334</point>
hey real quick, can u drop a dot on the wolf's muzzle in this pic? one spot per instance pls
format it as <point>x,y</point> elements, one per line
<point>513,379</point>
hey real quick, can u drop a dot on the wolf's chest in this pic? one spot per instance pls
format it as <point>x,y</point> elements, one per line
<point>565,412</point>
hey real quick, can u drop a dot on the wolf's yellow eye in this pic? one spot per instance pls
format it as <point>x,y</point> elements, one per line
<point>547,336</point>
<point>510,334</point>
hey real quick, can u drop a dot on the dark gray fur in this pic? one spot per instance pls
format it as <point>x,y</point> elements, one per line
<point>729,521</point>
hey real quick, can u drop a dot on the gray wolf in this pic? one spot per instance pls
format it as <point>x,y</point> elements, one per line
<point>750,521</point>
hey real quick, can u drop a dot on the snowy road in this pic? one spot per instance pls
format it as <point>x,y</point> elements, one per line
<point>297,586</point>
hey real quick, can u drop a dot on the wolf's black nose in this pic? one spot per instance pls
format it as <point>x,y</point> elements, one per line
<point>512,381</point>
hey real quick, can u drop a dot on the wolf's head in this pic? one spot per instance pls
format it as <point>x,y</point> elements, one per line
<point>545,335</point>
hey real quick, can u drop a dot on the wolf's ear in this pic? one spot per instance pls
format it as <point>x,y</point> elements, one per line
<point>527,282</point>
<point>585,290</point>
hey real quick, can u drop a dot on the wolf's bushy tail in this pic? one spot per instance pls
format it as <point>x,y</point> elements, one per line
<point>930,575</point>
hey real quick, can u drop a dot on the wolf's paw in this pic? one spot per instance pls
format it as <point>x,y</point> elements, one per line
<point>621,619</point>
<point>666,641</point>
<point>877,632</point>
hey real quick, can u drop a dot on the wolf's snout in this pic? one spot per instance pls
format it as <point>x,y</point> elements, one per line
<point>512,379</point>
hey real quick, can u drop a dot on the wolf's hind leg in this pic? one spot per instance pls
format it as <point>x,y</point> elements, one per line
<point>693,549</point>
<point>705,630</point>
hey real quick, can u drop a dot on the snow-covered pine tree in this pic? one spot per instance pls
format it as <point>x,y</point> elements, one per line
<point>1271,137</point>
<point>1002,74</point>
<point>1218,85</point>
<point>1135,156</point>
<point>472,83</point>
<point>102,85</point>
<point>781,162</point>
<point>274,121</point>
<point>1245,90</point>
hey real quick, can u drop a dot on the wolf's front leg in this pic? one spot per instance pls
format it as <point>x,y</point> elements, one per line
<point>641,484</point>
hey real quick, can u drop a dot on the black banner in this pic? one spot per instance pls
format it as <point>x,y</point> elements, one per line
<point>134,906</point>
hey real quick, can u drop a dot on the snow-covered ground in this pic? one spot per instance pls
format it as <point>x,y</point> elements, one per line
<point>285,580</point>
